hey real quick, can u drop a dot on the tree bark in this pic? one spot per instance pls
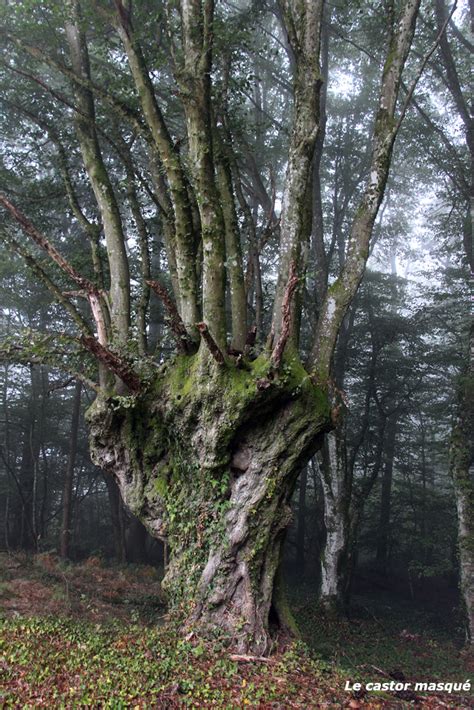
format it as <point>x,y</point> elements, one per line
<point>302,22</point>
<point>208,461</point>
<point>462,450</point>
<point>116,517</point>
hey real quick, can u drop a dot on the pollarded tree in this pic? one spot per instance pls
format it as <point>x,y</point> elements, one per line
<point>205,446</point>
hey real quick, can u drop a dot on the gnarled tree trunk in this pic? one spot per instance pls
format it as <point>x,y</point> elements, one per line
<point>208,460</point>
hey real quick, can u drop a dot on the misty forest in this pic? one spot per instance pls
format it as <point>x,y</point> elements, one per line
<point>236,353</point>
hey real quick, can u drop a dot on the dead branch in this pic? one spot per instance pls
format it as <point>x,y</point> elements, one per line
<point>38,270</point>
<point>279,348</point>
<point>214,349</point>
<point>42,242</point>
<point>240,658</point>
<point>75,294</point>
<point>177,326</point>
<point>84,284</point>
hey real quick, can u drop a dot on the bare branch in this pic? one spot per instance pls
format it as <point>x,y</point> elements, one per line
<point>95,297</point>
<point>421,69</point>
<point>61,297</point>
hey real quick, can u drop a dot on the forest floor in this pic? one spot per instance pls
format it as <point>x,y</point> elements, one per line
<point>76,635</point>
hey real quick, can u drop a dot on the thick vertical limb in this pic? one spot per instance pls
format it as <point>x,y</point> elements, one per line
<point>333,476</point>
<point>143,245</point>
<point>302,22</point>
<point>461,459</point>
<point>184,243</point>
<point>194,78</point>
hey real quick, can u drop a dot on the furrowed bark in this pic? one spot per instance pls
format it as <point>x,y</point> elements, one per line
<point>302,22</point>
<point>343,290</point>
<point>184,243</point>
<point>286,318</point>
<point>212,346</point>
<point>113,363</point>
<point>99,179</point>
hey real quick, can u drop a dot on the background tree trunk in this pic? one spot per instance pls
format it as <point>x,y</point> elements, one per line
<point>333,474</point>
<point>69,476</point>
<point>383,535</point>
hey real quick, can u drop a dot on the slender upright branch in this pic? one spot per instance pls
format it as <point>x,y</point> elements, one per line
<point>233,251</point>
<point>194,79</point>
<point>342,291</point>
<point>184,243</point>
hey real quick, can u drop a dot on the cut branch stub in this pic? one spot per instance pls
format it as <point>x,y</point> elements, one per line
<point>113,363</point>
<point>251,338</point>
<point>214,349</point>
<point>279,348</point>
<point>184,342</point>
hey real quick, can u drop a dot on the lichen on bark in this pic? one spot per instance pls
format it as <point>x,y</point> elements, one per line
<point>207,458</point>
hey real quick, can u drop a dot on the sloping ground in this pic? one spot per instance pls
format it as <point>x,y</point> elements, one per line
<point>86,635</point>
